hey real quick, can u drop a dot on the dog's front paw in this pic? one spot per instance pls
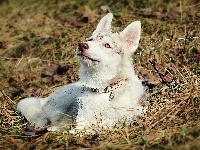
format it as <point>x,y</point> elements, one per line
<point>72,131</point>
<point>56,128</point>
<point>82,131</point>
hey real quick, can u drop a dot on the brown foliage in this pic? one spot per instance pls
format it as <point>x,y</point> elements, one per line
<point>37,46</point>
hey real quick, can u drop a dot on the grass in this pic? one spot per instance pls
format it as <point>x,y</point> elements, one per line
<point>34,34</point>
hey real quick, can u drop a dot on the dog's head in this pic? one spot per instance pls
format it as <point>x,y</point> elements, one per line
<point>106,56</point>
<point>105,48</point>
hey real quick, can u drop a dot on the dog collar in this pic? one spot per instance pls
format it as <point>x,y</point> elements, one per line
<point>110,89</point>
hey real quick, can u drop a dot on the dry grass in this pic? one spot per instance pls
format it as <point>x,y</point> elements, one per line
<point>34,34</point>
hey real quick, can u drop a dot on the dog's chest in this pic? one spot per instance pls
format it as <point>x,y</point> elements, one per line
<point>91,99</point>
<point>93,104</point>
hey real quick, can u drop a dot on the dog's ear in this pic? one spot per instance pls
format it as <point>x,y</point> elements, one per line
<point>104,24</point>
<point>131,36</point>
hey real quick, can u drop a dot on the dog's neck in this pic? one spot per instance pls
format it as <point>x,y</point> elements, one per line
<point>101,78</point>
<point>106,79</point>
<point>110,88</point>
<point>97,78</point>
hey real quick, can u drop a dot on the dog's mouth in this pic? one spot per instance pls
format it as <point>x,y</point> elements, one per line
<point>84,57</point>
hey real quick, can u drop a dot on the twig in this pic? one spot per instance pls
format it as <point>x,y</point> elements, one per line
<point>192,5</point>
<point>181,10</point>
<point>7,97</point>
<point>126,138</point>
<point>19,61</point>
<point>160,75</point>
<point>177,70</point>
<point>10,58</point>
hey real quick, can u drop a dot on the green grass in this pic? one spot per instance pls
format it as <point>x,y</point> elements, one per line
<point>36,33</point>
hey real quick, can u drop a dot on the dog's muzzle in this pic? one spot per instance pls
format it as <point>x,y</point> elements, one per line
<point>81,51</point>
<point>83,47</point>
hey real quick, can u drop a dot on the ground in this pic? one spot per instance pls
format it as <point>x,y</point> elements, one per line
<point>37,55</point>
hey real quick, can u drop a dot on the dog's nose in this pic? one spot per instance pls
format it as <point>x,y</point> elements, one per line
<point>83,46</point>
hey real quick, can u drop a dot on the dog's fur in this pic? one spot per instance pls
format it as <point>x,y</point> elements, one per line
<point>105,58</point>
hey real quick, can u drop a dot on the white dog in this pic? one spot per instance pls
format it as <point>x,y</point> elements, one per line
<point>108,91</point>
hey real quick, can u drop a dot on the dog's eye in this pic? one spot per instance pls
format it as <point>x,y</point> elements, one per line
<point>107,45</point>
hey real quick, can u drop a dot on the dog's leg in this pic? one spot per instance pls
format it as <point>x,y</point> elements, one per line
<point>60,106</point>
<point>31,108</point>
